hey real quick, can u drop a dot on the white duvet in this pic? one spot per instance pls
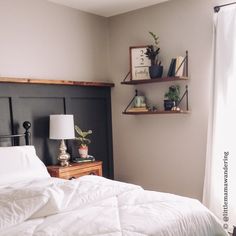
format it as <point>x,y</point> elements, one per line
<point>94,205</point>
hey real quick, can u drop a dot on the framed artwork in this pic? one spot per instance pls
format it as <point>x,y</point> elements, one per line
<point>139,63</point>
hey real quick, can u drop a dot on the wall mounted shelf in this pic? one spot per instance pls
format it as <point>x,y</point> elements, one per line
<point>129,81</point>
<point>158,80</point>
<point>155,112</point>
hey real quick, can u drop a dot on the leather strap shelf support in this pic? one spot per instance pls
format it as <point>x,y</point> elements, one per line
<point>56,82</point>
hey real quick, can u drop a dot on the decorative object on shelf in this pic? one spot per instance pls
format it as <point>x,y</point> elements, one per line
<point>137,109</point>
<point>173,96</point>
<point>62,127</point>
<point>137,100</point>
<point>87,159</point>
<point>156,69</point>
<point>154,109</point>
<point>139,63</point>
<point>83,140</point>
<point>178,66</point>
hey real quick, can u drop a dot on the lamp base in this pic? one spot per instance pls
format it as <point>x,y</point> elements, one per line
<point>63,156</point>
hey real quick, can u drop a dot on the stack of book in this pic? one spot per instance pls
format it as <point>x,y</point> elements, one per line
<point>177,67</point>
<point>81,160</point>
<point>137,109</point>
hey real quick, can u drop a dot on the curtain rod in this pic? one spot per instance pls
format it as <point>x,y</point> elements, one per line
<point>217,8</point>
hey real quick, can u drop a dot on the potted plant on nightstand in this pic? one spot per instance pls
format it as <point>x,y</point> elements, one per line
<point>173,97</point>
<point>83,141</point>
<point>156,69</point>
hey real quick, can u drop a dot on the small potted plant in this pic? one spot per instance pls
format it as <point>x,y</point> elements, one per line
<point>83,141</point>
<point>156,69</point>
<point>173,97</point>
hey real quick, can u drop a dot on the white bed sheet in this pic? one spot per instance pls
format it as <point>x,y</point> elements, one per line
<point>21,163</point>
<point>93,205</point>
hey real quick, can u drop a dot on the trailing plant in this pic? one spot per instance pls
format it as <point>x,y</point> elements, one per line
<point>174,93</point>
<point>83,140</point>
<point>153,50</point>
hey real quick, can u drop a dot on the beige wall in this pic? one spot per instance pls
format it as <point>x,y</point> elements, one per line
<point>163,152</point>
<point>44,40</point>
<point>39,39</point>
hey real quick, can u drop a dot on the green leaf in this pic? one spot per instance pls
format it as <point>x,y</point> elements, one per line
<point>79,138</point>
<point>87,140</point>
<point>82,135</point>
<point>87,133</point>
<point>155,38</point>
<point>78,130</point>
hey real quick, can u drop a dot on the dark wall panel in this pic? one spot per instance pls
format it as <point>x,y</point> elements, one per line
<point>37,111</point>
<point>86,114</point>
<point>91,107</point>
<point>5,120</point>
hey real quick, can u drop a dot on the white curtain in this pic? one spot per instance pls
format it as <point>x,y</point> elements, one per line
<point>220,176</point>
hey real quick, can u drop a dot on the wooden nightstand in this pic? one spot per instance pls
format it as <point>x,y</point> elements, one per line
<point>76,170</point>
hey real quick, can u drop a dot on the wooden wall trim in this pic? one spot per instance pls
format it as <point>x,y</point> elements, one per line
<point>55,82</point>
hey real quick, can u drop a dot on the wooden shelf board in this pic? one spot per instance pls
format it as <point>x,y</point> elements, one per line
<point>56,82</point>
<point>157,80</point>
<point>154,112</point>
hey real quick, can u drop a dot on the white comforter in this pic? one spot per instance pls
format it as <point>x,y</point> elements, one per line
<point>94,205</point>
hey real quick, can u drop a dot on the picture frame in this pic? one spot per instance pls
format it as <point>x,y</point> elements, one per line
<point>139,63</point>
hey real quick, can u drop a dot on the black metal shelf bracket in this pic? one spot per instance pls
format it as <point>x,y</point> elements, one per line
<point>126,76</point>
<point>186,65</point>
<point>184,95</point>
<point>136,94</point>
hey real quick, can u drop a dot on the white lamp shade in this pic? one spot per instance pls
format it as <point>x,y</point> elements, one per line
<point>62,127</point>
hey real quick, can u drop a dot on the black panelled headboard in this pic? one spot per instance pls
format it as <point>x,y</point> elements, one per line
<point>34,101</point>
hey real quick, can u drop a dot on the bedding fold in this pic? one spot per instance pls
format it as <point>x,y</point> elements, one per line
<point>93,205</point>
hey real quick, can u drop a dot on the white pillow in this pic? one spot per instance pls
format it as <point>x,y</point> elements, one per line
<point>20,163</point>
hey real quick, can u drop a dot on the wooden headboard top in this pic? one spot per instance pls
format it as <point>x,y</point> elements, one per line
<point>56,82</point>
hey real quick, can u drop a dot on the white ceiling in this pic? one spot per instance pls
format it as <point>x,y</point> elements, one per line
<point>107,8</point>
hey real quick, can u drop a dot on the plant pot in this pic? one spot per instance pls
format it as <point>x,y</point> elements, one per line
<point>83,151</point>
<point>155,71</point>
<point>168,104</point>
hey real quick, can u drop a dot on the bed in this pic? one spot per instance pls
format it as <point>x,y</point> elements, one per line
<point>33,203</point>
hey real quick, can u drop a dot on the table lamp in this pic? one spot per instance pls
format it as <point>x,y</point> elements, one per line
<point>62,127</point>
